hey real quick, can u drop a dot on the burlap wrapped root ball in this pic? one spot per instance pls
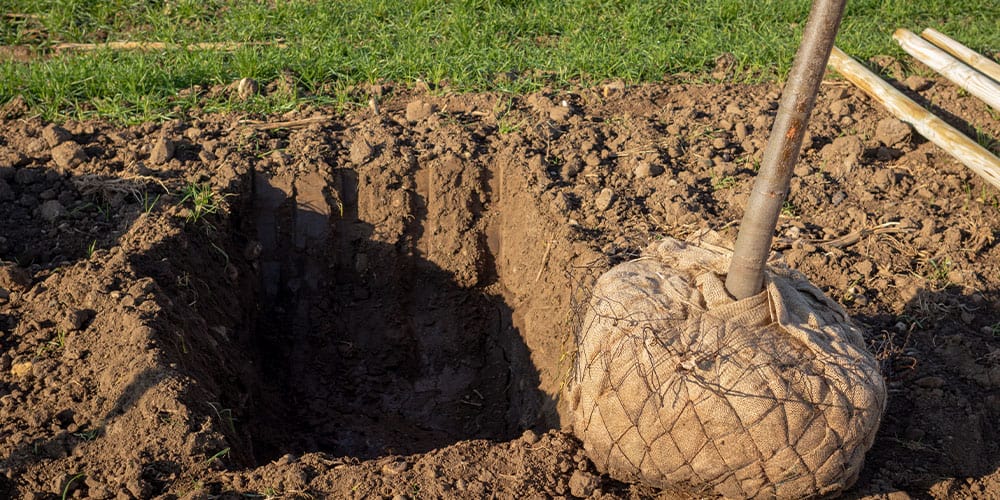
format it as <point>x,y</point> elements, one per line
<point>679,386</point>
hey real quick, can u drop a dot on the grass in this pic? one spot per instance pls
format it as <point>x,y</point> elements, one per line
<point>202,199</point>
<point>69,483</point>
<point>331,45</point>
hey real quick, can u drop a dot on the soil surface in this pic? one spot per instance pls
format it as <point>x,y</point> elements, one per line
<point>381,302</point>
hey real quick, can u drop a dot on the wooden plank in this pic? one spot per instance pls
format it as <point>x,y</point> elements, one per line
<point>969,79</point>
<point>965,150</point>
<point>982,63</point>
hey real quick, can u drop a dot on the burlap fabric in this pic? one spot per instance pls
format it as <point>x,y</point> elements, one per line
<point>679,386</point>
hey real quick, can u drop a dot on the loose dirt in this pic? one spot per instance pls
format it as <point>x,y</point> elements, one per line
<point>383,304</point>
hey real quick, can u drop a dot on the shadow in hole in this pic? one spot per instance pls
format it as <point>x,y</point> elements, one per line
<point>941,357</point>
<point>367,349</point>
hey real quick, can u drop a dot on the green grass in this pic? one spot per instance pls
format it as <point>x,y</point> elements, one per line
<point>334,44</point>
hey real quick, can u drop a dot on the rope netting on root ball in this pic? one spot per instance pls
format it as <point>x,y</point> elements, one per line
<point>682,387</point>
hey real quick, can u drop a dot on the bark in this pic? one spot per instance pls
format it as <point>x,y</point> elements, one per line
<point>753,244</point>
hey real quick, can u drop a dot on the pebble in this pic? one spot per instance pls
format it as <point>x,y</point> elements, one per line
<point>604,199</point>
<point>247,88</point>
<point>612,89</point>
<point>646,169</point>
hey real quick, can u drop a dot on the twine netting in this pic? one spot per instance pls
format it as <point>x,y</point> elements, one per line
<point>680,386</point>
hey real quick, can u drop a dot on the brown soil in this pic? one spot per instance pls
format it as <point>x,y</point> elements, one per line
<point>382,305</point>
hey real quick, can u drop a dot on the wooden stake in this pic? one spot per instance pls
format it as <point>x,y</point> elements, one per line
<point>969,79</point>
<point>984,64</point>
<point>945,136</point>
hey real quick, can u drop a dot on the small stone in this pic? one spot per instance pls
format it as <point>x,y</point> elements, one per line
<point>247,88</point>
<point>418,110</point>
<point>645,169</point>
<point>582,484</point>
<point>720,143</point>
<point>52,210</point>
<point>604,199</point>
<point>162,152</point>
<point>55,135</point>
<point>68,155</point>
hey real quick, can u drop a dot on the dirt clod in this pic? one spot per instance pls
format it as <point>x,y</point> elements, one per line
<point>582,484</point>
<point>162,152</point>
<point>418,110</point>
<point>892,132</point>
<point>68,155</point>
<point>52,210</point>
<point>55,135</point>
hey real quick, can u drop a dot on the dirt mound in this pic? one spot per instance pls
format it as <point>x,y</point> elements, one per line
<point>385,304</point>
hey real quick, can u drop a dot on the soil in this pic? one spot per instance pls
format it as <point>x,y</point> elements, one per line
<point>381,302</point>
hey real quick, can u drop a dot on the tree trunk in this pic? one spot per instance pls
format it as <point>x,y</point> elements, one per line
<point>753,244</point>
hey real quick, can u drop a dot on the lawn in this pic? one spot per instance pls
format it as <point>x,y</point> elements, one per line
<point>327,46</point>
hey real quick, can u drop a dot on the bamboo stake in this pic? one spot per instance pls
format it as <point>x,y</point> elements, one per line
<point>969,79</point>
<point>745,276</point>
<point>945,136</point>
<point>984,64</point>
